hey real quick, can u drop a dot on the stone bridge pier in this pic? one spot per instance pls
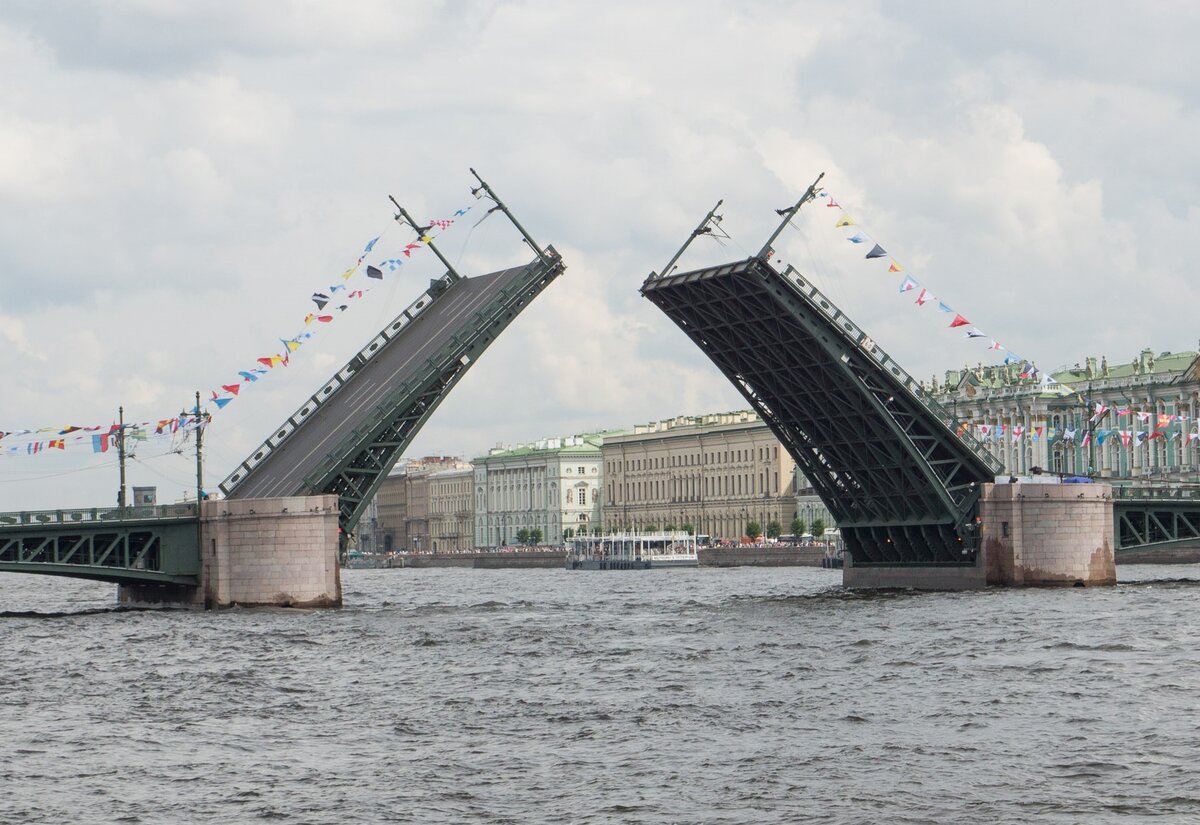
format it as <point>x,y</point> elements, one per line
<point>280,552</point>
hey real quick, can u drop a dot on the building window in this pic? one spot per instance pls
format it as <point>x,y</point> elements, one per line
<point>582,471</point>
<point>583,496</point>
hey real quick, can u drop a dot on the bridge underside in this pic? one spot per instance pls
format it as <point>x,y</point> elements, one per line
<point>346,439</point>
<point>162,551</point>
<point>885,460</point>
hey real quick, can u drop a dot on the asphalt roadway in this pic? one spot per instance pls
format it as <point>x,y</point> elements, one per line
<point>282,472</point>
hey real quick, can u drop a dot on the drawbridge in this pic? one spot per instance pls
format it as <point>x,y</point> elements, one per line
<point>347,436</point>
<point>898,474</point>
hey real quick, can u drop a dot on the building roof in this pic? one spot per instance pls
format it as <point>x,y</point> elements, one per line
<point>1092,370</point>
<point>566,445</point>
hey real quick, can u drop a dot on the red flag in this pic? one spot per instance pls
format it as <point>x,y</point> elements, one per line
<point>232,389</point>
<point>959,321</point>
<point>834,204</point>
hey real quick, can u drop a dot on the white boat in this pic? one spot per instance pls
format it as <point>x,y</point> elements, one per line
<point>632,551</point>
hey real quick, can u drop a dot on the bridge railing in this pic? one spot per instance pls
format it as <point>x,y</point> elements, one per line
<point>39,518</point>
<point>867,344</point>
<point>334,384</point>
<point>1156,493</point>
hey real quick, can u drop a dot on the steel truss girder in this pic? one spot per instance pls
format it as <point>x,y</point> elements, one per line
<point>1139,525</point>
<point>161,552</point>
<point>357,467</point>
<point>903,487</point>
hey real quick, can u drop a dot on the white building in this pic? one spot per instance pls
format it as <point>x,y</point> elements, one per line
<point>552,485</point>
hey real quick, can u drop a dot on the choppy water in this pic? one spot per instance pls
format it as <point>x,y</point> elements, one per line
<point>677,696</point>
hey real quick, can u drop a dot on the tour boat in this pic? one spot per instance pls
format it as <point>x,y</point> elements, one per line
<point>629,551</point>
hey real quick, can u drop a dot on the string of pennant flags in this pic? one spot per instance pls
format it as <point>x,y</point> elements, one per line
<point>100,439</point>
<point>330,302</point>
<point>910,285</point>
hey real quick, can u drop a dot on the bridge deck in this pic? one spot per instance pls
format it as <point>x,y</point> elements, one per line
<point>885,458</point>
<point>282,472</point>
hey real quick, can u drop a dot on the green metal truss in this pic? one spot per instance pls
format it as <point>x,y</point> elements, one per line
<point>358,466</point>
<point>109,545</point>
<point>894,468</point>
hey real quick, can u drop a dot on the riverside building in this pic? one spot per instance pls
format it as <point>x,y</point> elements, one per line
<point>405,507</point>
<point>551,485</point>
<point>1133,420</point>
<point>711,474</point>
<point>451,510</point>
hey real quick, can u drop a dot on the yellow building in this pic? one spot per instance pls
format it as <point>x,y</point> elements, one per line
<point>451,509</point>
<point>711,474</point>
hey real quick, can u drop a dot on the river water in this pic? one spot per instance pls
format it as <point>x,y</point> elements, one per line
<point>546,696</point>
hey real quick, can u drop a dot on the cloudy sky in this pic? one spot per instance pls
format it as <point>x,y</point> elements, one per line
<point>176,178</point>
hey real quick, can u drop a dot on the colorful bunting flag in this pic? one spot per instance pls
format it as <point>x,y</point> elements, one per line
<point>974,332</point>
<point>895,267</point>
<point>996,345</point>
<point>958,321</point>
<point>857,237</point>
<point>923,297</point>
<point>876,252</point>
<point>373,272</point>
<point>908,284</point>
<point>846,220</point>
<point>232,389</point>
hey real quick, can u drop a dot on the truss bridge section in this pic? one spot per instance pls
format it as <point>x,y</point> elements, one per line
<point>898,473</point>
<point>346,438</point>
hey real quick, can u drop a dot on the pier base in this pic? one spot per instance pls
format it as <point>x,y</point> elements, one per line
<point>913,576</point>
<point>1048,535</point>
<point>279,552</point>
<point>1033,535</point>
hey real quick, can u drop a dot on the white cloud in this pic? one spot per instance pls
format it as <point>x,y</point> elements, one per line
<point>176,178</point>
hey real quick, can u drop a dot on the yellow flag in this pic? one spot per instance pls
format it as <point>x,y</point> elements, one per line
<point>426,238</point>
<point>346,275</point>
<point>846,220</point>
<point>895,267</point>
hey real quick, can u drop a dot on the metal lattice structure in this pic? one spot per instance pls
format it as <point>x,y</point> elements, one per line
<point>346,438</point>
<point>896,471</point>
<point>149,544</point>
<point>1151,517</point>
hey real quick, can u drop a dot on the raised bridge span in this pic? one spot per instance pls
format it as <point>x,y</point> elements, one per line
<point>343,440</point>
<point>899,474</point>
<point>896,470</point>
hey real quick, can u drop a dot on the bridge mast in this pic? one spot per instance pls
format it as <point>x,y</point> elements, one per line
<point>421,232</point>
<point>701,229</point>
<point>121,455</point>
<point>788,214</point>
<point>541,253</point>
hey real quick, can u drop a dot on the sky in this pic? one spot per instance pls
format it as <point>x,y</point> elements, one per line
<point>177,178</point>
